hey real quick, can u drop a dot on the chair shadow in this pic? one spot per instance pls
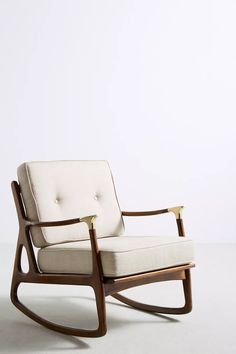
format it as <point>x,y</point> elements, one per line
<point>22,335</point>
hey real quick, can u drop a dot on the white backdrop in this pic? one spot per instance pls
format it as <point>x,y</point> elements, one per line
<point>148,85</point>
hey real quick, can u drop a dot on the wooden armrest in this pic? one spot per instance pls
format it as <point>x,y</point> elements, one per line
<point>89,220</point>
<point>176,210</point>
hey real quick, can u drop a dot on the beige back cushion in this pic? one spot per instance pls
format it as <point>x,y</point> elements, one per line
<point>58,190</point>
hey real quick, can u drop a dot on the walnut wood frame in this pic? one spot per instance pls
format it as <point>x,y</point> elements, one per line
<point>101,285</point>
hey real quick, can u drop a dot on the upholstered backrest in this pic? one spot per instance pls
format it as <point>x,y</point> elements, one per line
<point>58,190</point>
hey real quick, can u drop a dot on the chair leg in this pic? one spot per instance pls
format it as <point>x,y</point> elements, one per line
<point>100,303</point>
<point>101,311</point>
<point>160,309</point>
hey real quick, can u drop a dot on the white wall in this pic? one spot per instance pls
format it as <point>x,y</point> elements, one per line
<point>148,85</point>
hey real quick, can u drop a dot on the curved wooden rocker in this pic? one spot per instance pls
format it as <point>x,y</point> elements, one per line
<point>100,331</point>
<point>161,309</point>
<point>102,286</point>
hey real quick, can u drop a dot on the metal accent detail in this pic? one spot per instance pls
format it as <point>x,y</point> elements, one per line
<point>90,221</point>
<point>177,211</point>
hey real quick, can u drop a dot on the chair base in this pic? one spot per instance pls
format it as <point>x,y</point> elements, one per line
<point>100,294</point>
<point>160,309</point>
<point>99,332</point>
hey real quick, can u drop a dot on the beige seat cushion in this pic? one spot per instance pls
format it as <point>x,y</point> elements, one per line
<point>120,256</point>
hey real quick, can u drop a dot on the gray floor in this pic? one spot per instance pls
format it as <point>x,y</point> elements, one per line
<point>209,329</point>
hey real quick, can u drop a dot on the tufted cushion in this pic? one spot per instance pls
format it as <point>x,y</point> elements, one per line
<point>120,256</point>
<point>57,190</point>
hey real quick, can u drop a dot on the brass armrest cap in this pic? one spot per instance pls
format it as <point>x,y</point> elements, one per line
<point>177,211</point>
<point>90,221</point>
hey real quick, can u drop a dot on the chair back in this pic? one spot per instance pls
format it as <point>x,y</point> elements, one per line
<point>59,190</point>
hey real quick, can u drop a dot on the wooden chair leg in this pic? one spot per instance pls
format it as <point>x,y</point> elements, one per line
<point>20,277</point>
<point>160,309</point>
<point>100,331</point>
<point>101,311</point>
<point>34,276</point>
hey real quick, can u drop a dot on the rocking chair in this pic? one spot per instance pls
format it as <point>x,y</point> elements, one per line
<point>69,211</point>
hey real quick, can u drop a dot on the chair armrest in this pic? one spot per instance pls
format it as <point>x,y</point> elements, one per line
<point>176,210</point>
<point>89,220</point>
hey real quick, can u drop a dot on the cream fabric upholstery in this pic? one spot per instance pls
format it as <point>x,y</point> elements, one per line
<point>120,256</point>
<point>57,190</point>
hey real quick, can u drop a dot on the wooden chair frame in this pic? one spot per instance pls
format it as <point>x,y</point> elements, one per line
<point>101,285</point>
